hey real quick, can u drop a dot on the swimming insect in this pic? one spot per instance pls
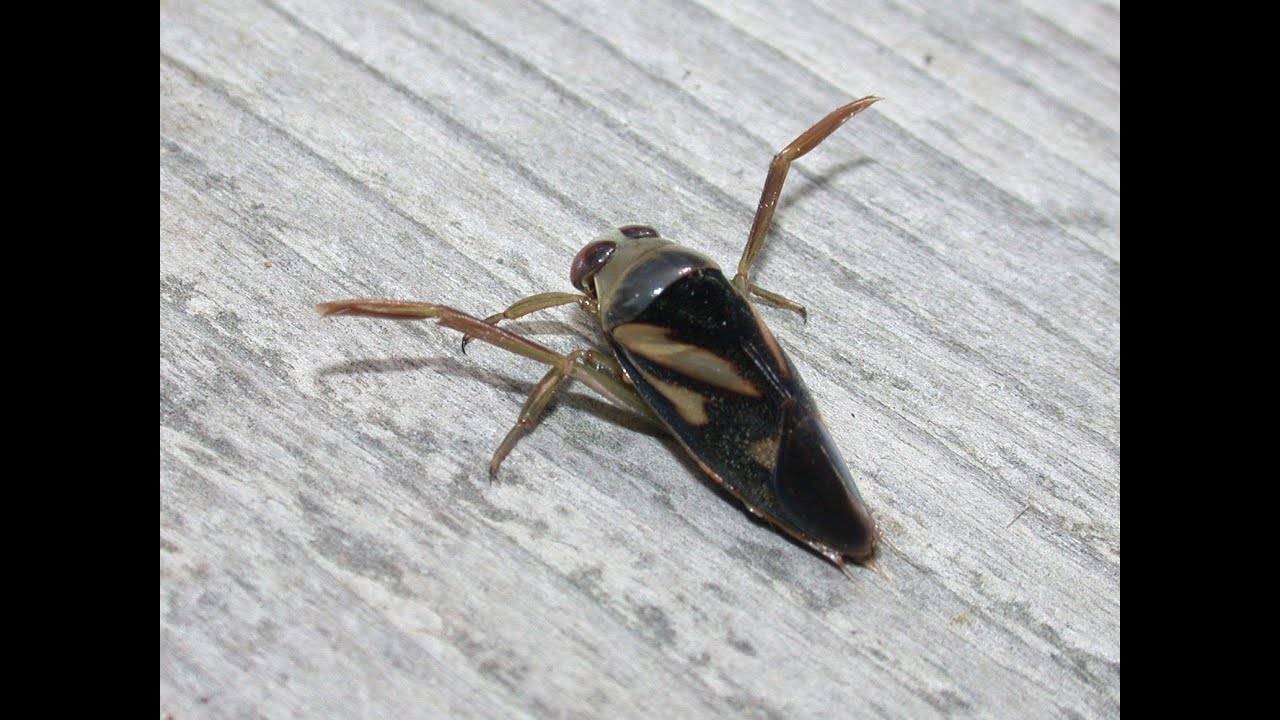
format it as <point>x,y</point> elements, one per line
<point>690,353</point>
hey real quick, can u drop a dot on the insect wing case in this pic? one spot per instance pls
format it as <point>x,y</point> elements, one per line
<point>697,352</point>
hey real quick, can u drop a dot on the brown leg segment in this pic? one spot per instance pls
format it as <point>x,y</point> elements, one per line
<point>534,303</point>
<point>773,189</point>
<point>775,299</point>
<point>543,392</point>
<point>590,367</point>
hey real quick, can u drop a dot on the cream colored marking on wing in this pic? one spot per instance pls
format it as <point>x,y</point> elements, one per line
<point>691,405</point>
<point>652,342</point>
<point>765,452</point>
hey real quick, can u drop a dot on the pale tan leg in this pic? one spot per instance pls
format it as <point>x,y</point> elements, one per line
<point>594,369</point>
<point>544,391</point>
<point>534,303</point>
<point>782,302</point>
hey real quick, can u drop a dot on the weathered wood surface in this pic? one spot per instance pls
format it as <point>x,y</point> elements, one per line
<point>330,545</point>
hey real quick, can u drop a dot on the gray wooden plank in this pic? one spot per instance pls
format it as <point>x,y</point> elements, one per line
<point>330,545</point>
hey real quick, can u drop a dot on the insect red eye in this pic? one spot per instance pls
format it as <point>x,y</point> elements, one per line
<point>588,263</point>
<point>635,232</point>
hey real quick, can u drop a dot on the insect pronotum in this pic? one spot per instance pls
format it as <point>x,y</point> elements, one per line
<point>689,352</point>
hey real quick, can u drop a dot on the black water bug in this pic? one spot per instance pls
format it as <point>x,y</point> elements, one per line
<point>690,353</point>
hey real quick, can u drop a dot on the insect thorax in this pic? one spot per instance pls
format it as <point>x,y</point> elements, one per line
<point>639,271</point>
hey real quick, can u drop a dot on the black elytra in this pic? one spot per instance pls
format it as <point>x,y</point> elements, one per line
<point>708,366</point>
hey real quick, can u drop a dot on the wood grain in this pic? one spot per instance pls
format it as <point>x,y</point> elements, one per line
<point>330,545</point>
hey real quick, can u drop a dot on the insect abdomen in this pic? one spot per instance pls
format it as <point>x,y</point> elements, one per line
<point>711,370</point>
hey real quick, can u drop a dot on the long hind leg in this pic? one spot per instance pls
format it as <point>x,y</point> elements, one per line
<point>807,141</point>
<point>592,368</point>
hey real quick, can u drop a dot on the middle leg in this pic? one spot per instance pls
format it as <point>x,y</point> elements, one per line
<point>588,361</point>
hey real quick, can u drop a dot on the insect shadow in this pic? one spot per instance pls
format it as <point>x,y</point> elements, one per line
<point>517,385</point>
<point>818,180</point>
<point>572,400</point>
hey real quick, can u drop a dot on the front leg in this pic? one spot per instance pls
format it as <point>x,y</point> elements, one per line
<point>534,303</point>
